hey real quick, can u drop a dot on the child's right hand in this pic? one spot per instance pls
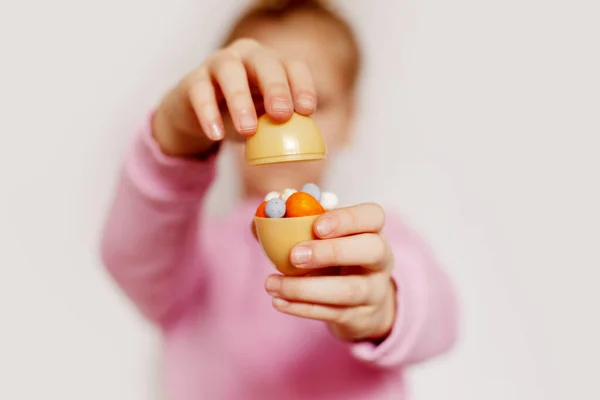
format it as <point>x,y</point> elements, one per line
<point>245,79</point>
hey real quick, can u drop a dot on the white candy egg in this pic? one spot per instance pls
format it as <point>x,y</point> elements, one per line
<point>272,195</point>
<point>287,193</point>
<point>329,200</point>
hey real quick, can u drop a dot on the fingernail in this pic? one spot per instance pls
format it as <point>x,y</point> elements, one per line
<point>325,227</point>
<point>306,102</point>
<point>280,105</point>
<point>277,302</point>
<point>216,131</point>
<point>273,284</point>
<point>247,121</point>
<point>301,255</point>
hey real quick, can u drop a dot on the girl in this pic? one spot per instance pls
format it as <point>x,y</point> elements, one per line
<point>232,329</point>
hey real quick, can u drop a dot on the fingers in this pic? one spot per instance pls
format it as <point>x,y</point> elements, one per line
<point>367,250</point>
<point>363,218</point>
<point>339,291</point>
<point>338,315</point>
<point>233,74</point>
<point>230,74</point>
<point>285,86</point>
<point>273,83</point>
<point>204,102</point>
<point>349,320</point>
<point>302,86</point>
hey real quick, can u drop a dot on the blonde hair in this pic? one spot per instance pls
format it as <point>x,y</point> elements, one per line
<point>280,9</point>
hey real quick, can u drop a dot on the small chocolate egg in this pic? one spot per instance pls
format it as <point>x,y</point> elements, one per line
<point>287,193</point>
<point>275,208</point>
<point>313,190</point>
<point>329,201</point>
<point>272,195</point>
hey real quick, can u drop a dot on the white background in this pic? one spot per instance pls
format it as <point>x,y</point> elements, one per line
<point>480,121</point>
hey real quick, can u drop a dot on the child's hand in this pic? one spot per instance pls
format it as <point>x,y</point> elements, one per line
<point>247,79</point>
<point>358,306</point>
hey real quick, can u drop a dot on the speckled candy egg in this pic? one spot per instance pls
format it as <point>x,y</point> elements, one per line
<point>272,195</point>
<point>275,208</point>
<point>329,201</point>
<point>313,190</point>
<point>287,193</point>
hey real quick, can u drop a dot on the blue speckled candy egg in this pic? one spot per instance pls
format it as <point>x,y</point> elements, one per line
<point>313,190</point>
<point>275,208</point>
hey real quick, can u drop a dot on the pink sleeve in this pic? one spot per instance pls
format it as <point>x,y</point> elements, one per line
<point>426,318</point>
<point>150,244</point>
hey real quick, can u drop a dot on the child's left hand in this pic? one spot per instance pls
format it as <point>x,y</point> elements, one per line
<point>358,306</point>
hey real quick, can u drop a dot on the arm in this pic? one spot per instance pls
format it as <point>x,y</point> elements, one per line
<point>426,305</point>
<point>151,244</point>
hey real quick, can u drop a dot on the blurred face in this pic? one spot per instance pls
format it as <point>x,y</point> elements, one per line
<point>291,39</point>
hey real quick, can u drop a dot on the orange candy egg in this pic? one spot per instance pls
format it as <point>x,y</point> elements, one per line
<point>260,211</point>
<point>302,204</point>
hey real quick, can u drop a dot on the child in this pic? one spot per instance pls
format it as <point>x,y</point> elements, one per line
<point>232,328</point>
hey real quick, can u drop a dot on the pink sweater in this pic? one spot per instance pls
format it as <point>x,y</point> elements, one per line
<point>202,283</point>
